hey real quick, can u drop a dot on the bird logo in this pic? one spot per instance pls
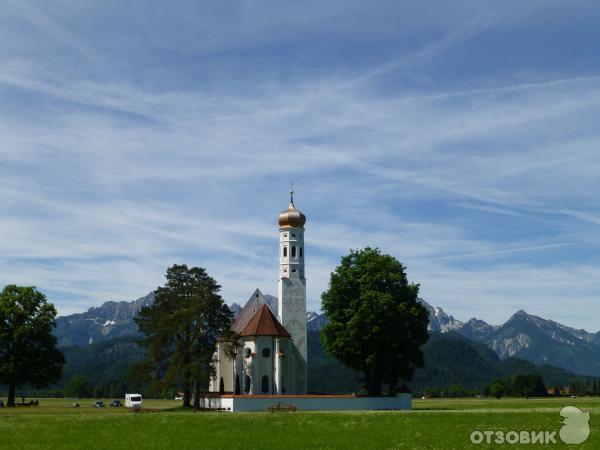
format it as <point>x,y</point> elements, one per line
<point>576,427</point>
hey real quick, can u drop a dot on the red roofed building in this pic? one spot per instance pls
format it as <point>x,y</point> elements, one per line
<point>262,360</point>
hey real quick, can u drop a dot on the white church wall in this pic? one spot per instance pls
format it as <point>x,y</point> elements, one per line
<point>212,380</point>
<point>225,368</point>
<point>217,403</point>
<point>249,361</point>
<point>281,377</point>
<point>264,364</point>
<point>239,369</point>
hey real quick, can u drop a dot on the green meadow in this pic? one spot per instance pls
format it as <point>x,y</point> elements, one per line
<point>434,423</point>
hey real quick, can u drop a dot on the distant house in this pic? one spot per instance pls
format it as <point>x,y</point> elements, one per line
<point>565,390</point>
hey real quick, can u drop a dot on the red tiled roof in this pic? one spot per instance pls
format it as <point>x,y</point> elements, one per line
<point>264,323</point>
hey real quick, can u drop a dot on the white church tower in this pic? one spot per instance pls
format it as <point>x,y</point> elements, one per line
<point>292,290</point>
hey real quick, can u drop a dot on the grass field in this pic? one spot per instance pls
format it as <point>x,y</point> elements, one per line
<point>443,423</point>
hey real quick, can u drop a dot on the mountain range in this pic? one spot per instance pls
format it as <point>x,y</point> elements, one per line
<point>108,321</point>
<point>540,341</point>
<point>523,336</point>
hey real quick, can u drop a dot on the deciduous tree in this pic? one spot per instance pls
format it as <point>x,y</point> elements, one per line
<point>28,352</point>
<point>497,389</point>
<point>376,326</point>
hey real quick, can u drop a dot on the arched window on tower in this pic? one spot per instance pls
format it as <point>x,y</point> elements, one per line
<point>293,252</point>
<point>285,252</point>
<point>247,383</point>
<point>265,384</point>
<point>300,252</point>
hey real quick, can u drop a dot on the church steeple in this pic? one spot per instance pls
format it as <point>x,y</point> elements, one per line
<point>292,286</point>
<point>291,217</point>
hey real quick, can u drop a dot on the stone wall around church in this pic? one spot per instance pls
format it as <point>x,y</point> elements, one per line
<point>306,403</point>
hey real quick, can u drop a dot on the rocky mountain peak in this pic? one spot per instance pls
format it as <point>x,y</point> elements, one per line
<point>439,321</point>
<point>521,314</point>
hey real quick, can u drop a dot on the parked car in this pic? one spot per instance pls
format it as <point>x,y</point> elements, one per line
<point>98,404</point>
<point>116,403</point>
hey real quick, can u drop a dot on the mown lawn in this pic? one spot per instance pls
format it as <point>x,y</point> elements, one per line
<point>432,424</point>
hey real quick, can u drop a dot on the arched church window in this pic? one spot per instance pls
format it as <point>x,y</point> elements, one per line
<point>293,252</point>
<point>266,352</point>
<point>285,252</point>
<point>237,385</point>
<point>221,386</point>
<point>247,383</point>
<point>300,252</point>
<point>265,384</point>
<point>248,352</point>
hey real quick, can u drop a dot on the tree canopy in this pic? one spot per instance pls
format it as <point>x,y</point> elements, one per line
<point>78,386</point>
<point>28,352</point>
<point>376,326</point>
<point>181,328</point>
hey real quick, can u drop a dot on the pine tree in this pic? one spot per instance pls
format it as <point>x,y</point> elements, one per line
<point>181,328</point>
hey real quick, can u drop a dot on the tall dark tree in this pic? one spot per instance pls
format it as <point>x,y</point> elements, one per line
<point>376,326</point>
<point>28,353</point>
<point>181,328</point>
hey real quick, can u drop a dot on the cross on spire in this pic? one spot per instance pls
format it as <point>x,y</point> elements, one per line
<point>292,192</point>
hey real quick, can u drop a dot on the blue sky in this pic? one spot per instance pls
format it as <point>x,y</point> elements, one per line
<point>461,137</point>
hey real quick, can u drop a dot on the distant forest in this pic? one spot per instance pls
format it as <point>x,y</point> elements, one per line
<point>455,366</point>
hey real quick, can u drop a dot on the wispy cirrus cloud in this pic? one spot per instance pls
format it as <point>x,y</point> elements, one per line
<point>119,157</point>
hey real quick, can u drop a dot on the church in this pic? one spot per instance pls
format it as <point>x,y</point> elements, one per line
<point>262,364</point>
<point>269,355</point>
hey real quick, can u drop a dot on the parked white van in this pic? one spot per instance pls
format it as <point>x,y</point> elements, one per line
<point>133,400</point>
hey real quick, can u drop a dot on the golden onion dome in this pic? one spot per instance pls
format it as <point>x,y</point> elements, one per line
<point>291,217</point>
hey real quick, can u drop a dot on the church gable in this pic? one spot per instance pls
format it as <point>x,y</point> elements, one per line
<point>253,304</point>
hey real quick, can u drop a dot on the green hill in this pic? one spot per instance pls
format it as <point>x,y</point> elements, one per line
<point>450,359</point>
<point>103,362</point>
